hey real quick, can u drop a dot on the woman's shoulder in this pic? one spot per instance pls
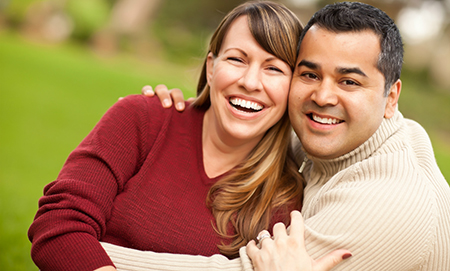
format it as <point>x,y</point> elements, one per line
<point>150,109</point>
<point>153,103</point>
<point>141,107</point>
<point>140,101</point>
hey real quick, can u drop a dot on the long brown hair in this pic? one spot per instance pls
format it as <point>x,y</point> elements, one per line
<point>267,182</point>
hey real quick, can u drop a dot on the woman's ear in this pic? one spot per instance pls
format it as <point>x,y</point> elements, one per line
<point>392,99</point>
<point>209,67</point>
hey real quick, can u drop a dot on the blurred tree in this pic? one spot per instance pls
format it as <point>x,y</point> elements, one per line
<point>15,11</point>
<point>87,16</point>
<point>128,21</point>
<point>183,27</point>
<point>47,21</point>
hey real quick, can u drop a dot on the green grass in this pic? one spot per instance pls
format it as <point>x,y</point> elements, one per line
<point>430,106</point>
<point>52,96</point>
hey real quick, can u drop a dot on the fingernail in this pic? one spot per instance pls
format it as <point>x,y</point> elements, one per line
<point>346,256</point>
<point>180,106</point>
<point>148,91</point>
<point>166,103</point>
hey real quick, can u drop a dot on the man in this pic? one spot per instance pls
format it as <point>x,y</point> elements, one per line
<point>372,182</point>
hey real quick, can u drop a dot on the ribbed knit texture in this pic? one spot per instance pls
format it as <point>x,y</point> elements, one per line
<point>386,201</point>
<point>137,180</point>
<point>127,259</point>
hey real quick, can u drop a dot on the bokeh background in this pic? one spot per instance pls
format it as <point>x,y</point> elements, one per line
<point>63,63</point>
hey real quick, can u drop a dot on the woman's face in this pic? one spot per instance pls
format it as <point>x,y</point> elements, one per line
<point>249,86</point>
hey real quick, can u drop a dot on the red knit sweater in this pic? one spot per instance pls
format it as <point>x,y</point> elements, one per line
<point>137,180</point>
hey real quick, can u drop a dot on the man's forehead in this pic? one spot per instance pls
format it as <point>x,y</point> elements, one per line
<point>323,31</point>
<point>349,43</point>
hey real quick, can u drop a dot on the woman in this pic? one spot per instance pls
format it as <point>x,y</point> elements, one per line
<point>143,173</point>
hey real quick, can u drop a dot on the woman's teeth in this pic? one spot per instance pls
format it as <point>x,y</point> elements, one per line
<point>240,103</point>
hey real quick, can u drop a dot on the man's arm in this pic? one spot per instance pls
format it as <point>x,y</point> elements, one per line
<point>132,259</point>
<point>272,256</point>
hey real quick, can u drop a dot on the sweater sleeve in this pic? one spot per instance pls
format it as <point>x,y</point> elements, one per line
<point>74,209</point>
<point>126,259</point>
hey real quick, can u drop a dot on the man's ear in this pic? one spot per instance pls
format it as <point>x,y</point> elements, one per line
<point>209,67</point>
<point>392,99</point>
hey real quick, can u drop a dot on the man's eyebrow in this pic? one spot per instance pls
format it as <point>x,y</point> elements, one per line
<point>309,64</point>
<point>342,70</point>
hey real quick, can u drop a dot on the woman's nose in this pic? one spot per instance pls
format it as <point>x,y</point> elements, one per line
<point>251,79</point>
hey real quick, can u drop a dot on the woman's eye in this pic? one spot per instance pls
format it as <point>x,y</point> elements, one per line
<point>234,59</point>
<point>275,69</point>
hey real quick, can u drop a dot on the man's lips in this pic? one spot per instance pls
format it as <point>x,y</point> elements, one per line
<point>323,119</point>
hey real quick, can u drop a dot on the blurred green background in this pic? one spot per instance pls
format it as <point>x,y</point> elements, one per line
<point>64,63</point>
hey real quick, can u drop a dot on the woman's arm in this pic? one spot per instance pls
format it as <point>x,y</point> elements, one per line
<point>74,209</point>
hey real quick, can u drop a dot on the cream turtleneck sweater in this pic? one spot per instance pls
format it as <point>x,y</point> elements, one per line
<point>385,201</point>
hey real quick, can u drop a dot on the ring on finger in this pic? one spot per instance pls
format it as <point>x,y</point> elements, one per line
<point>263,235</point>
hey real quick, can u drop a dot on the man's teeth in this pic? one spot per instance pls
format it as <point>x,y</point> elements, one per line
<point>325,120</point>
<point>246,104</point>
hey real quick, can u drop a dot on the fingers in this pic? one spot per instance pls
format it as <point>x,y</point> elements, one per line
<point>279,231</point>
<point>297,229</point>
<point>288,252</point>
<point>332,259</point>
<point>167,97</point>
<point>261,236</point>
<point>148,91</point>
<point>251,249</point>
<point>178,98</point>
<point>164,95</point>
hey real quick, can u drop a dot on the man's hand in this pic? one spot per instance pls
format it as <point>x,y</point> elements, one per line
<point>106,268</point>
<point>166,96</point>
<point>287,251</point>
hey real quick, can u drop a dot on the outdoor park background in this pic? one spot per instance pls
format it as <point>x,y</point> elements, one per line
<point>63,63</point>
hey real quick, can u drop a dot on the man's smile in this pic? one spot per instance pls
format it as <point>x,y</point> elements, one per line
<point>324,120</point>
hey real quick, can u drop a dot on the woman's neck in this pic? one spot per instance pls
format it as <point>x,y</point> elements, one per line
<point>222,151</point>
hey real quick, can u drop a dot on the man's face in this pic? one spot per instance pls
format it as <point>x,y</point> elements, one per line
<point>336,100</point>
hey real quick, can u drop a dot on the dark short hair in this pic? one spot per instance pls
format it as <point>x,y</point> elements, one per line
<point>355,17</point>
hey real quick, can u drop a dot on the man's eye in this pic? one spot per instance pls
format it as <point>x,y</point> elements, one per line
<point>350,83</point>
<point>309,75</point>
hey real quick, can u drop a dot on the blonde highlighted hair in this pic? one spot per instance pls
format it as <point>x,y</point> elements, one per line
<point>267,182</point>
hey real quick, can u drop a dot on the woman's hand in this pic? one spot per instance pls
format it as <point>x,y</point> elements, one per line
<point>287,251</point>
<point>166,96</point>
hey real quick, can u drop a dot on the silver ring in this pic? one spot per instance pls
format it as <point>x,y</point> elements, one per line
<point>263,236</point>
